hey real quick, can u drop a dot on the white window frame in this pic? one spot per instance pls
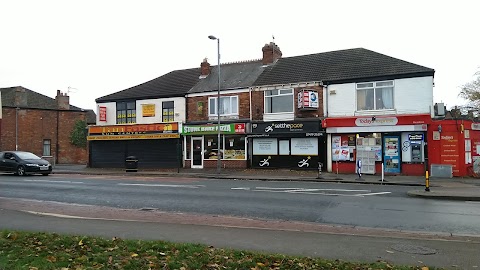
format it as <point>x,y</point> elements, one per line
<point>233,104</point>
<point>374,87</point>
<point>278,95</point>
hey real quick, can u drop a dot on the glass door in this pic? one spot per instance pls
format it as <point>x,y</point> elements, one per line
<point>197,152</point>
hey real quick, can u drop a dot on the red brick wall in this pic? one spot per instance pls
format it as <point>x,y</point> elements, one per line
<point>194,115</point>
<point>36,125</point>
<point>258,105</point>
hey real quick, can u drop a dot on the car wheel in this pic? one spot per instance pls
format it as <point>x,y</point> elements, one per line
<point>45,174</point>
<point>20,171</point>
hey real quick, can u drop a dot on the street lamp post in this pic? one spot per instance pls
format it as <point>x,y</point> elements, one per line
<point>219,162</point>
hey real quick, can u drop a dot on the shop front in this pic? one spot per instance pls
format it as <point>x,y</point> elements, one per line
<point>455,143</point>
<point>201,147</point>
<point>395,143</point>
<point>154,145</point>
<point>291,145</point>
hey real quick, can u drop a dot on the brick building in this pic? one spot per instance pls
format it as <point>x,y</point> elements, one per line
<point>42,125</point>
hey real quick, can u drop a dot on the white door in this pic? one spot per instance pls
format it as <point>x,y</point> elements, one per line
<point>197,152</point>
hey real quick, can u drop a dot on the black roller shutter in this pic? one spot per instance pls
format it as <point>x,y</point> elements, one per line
<point>107,154</point>
<point>154,153</point>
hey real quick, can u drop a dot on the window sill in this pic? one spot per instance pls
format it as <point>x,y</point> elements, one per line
<point>376,112</point>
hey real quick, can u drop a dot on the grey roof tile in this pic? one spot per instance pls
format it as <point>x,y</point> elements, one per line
<point>173,84</point>
<point>232,76</point>
<point>339,66</point>
<point>34,100</point>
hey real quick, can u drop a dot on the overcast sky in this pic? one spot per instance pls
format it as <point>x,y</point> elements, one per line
<point>100,47</point>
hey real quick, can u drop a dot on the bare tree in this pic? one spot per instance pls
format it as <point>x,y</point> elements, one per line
<point>471,92</point>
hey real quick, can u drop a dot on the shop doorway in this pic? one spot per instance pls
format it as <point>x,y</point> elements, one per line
<point>392,156</point>
<point>197,152</point>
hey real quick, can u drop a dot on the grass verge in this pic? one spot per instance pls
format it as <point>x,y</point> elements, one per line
<point>32,251</point>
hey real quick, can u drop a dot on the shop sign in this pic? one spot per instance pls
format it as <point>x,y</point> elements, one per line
<point>148,110</point>
<point>308,99</point>
<point>134,137</point>
<point>449,150</point>
<point>415,138</point>
<point>212,129</point>
<point>376,121</point>
<point>128,132</point>
<point>102,113</point>
<point>286,127</point>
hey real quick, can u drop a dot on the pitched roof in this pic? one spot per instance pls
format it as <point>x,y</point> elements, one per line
<point>173,84</point>
<point>339,67</point>
<point>232,76</point>
<point>33,99</point>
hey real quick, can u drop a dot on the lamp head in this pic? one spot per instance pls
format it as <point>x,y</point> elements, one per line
<point>212,37</point>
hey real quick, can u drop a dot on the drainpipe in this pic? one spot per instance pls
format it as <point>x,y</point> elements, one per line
<point>329,136</point>
<point>56,140</point>
<point>16,128</point>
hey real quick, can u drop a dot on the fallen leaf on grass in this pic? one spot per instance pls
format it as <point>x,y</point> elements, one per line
<point>51,259</point>
<point>134,255</point>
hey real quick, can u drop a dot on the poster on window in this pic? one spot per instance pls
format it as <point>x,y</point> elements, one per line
<point>304,146</point>
<point>391,146</point>
<point>265,146</point>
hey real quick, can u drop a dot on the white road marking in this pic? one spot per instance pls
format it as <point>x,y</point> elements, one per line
<point>377,193</point>
<point>53,181</point>
<point>161,185</point>
<point>315,191</point>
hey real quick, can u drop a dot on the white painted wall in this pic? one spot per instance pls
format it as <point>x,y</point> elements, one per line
<point>411,96</point>
<point>111,113</point>
<point>178,103</point>
<point>178,107</point>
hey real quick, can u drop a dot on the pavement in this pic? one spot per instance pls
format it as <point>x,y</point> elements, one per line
<point>456,188</point>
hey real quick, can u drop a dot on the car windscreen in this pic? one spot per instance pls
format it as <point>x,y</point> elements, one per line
<point>26,155</point>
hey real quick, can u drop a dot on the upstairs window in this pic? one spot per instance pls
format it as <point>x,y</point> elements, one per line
<point>228,106</point>
<point>126,112</point>
<point>375,96</point>
<point>168,114</point>
<point>279,101</point>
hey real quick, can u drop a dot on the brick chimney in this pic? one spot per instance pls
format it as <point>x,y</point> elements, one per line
<point>20,97</point>
<point>271,53</point>
<point>63,101</point>
<point>205,68</point>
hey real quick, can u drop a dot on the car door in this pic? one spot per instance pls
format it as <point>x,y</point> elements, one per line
<point>9,162</point>
<point>2,161</point>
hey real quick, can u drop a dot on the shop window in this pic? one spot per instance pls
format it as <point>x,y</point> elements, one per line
<point>304,146</point>
<point>279,101</point>
<point>343,147</point>
<point>168,114</point>
<point>211,147</point>
<point>47,144</point>
<point>126,112</point>
<point>234,147</point>
<point>375,96</point>
<point>228,106</point>
<point>372,141</point>
<point>265,146</point>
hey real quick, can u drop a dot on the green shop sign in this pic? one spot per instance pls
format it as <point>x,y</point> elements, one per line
<point>212,129</point>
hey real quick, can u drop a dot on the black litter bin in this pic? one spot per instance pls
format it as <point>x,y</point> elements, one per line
<point>131,164</point>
